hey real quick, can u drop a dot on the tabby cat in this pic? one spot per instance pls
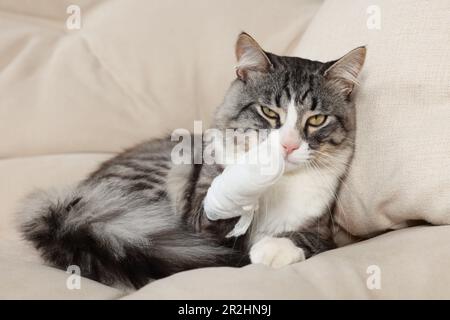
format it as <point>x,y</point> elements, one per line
<point>139,216</point>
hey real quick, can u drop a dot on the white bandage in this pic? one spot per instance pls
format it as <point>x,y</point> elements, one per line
<point>237,190</point>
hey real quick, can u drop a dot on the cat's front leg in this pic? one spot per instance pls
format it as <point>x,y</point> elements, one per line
<point>236,191</point>
<point>288,248</point>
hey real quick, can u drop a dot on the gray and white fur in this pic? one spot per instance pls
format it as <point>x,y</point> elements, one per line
<point>140,217</point>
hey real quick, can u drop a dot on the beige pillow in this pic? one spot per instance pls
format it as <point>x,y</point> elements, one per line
<point>344,273</point>
<point>135,69</point>
<point>401,168</point>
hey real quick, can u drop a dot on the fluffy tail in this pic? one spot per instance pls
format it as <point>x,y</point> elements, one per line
<point>114,244</point>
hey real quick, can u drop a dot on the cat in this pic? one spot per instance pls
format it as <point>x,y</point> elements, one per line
<point>139,216</point>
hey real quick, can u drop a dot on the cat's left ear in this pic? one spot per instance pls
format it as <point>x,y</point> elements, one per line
<point>343,73</point>
<point>250,57</point>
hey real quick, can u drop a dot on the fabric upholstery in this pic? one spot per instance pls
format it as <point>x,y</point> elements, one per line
<point>410,263</point>
<point>71,99</point>
<point>135,69</point>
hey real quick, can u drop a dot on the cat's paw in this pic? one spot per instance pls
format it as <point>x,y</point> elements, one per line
<point>276,252</point>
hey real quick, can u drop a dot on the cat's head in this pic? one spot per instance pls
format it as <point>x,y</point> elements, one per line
<point>309,102</point>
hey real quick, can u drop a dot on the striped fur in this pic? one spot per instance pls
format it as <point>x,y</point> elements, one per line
<point>120,225</point>
<point>139,216</point>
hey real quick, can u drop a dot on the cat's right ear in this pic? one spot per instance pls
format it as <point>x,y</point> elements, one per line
<point>344,72</point>
<point>250,57</point>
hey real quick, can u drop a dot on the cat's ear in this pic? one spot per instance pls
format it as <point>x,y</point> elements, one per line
<point>344,72</point>
<point>250,57</point>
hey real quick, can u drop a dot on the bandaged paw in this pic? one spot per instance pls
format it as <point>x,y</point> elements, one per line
<point>237,190</point>
<point>276,252</point>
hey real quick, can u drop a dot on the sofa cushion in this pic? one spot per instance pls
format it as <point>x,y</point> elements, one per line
<point>135,69</point>
<point>401,168</point>
<point>403,264</point>
<point>24,280</point>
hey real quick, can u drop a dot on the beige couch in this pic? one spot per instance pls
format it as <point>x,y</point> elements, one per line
<point>71,98</point>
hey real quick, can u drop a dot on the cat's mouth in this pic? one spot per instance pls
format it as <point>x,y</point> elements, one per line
<point>297,158</point>
<point>296,161</point>
<point>293,163</point>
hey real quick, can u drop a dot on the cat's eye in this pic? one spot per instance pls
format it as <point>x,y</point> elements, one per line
<point>269,113</point>
<point>317,120</point>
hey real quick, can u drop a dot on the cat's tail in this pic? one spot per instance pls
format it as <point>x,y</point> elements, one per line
<point>114,244</point>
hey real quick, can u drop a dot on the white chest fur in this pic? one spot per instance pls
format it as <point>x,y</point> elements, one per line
<point>294,201</point>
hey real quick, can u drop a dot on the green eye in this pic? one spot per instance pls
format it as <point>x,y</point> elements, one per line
<point>317,120</point>
<point>269,113</point>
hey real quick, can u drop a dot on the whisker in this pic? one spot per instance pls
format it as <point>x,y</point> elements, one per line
<point>339,201</point>
<point>333,158</point>
<point>330,189</point>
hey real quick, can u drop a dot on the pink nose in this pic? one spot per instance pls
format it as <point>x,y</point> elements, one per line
<point>290,147</point>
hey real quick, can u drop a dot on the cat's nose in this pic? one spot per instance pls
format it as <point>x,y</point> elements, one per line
<point>290,147</point>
